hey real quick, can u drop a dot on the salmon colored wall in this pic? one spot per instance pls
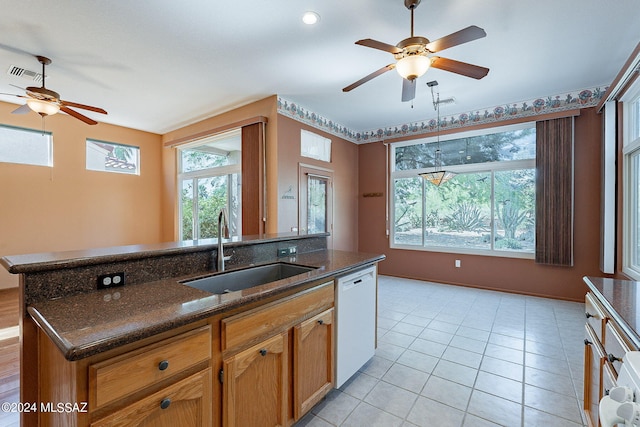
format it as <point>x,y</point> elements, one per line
<point>266,107</point>
<point>66,207</point>
<point>506,274</point>
<point>344,164</point>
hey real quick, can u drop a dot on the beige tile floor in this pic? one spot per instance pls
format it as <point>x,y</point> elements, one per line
<point>455,356</point>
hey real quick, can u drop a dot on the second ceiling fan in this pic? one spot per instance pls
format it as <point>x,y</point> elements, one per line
<point>413,60</point>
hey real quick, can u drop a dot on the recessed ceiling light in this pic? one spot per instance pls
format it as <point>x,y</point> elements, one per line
<point>310,18</point>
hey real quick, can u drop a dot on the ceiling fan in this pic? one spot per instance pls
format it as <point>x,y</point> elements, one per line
<point>413,56</point>
<point>47,102</point>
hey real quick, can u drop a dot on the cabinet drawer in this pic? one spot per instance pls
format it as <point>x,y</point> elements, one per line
<point>615,346</point>
<point>185,403</point>
<point>594,314</point>
<point>250,326</point>
<point>117,377</point>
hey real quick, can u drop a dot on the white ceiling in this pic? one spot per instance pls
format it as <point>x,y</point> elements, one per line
<point>157,65</point>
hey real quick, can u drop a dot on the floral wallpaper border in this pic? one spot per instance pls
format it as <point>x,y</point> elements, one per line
<point>530,108</point>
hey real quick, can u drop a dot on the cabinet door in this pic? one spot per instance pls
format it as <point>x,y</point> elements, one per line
<point>312,361</point>
<point>593,361</point>
<point>186,403</point>
<point>255,385</point>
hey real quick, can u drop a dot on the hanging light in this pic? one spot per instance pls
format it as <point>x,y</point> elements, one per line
<point>413,66</point>
<point>44,108</point>
<point>438,176</point>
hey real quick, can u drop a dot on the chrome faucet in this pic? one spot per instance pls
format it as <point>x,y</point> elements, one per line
<point>223,232</point>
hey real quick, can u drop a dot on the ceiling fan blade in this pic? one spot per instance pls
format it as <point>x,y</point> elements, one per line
<point>379,45</point>
<point>462,68</point>
<point>408,89</point>
<point>84,107</point>
<point>78,116</point>
<point>23,109</point>
<point>459,37</point>
<point>369,77</point>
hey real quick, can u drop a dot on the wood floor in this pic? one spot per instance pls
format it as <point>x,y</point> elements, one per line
<point>9,355</point>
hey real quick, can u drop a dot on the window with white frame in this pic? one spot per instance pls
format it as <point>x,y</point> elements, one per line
<point>315,146</point>
<point>25,146</point>
<point>209,179</point>
<point>631,183</point>
<point>112,157</point>
<point>487,208</point>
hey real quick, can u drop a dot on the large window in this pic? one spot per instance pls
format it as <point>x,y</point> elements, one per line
<point>209,180</point>
<point>488,207</point>
<point>631,150</point>
<point>25,146</point>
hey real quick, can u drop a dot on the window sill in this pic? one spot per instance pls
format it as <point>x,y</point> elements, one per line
<point>462,251</point>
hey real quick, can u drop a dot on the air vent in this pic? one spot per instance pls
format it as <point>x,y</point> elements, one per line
<point>24,73</point>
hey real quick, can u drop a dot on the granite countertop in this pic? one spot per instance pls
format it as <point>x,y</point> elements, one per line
<point>621,298</point>
<point>89,323</point>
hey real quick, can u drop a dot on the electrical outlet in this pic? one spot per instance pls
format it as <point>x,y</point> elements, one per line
<point>457,263</point>
<point>291,250</point>
<point>110,280</point>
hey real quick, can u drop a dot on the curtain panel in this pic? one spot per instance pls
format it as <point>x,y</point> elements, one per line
<point>554,192</point>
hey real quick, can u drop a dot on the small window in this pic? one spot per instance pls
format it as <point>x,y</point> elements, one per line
<point>25,146</point>
<point>315,146</point>
<point>110,157</point>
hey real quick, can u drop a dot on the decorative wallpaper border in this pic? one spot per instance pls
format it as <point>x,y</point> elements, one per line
<point>524,109</point>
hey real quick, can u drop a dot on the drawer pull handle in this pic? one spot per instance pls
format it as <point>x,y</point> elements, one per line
<point>263,352</point>
<point>163,365</point>
<point>612,358</point>
<point>165,403</point>
<point>320,322</point>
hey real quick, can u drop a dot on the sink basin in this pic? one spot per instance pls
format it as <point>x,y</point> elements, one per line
<point>238,280</point>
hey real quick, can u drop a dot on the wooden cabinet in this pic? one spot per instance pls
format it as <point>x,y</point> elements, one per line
<point>161,381</point>
<point>593,362</point>
<point>278,359</point>
<point>313,361</point>
<point>256,384</point>
<point>605,347</point>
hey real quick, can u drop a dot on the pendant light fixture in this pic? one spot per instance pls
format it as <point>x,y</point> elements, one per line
<point>438,176</point>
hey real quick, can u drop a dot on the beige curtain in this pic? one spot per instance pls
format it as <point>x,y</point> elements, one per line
<point>554,192</point>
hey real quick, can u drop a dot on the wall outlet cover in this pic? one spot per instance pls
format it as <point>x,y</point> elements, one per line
<point>111,280</point>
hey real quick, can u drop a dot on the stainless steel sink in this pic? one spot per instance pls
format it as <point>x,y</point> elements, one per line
<point>238,280</point>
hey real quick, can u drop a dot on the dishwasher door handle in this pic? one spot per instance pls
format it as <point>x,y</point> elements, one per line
<point>350,285</point>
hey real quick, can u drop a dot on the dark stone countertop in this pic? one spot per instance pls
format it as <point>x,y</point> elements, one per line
<point>86,324</point>
<point>30,263</point>
<point>621,298</point>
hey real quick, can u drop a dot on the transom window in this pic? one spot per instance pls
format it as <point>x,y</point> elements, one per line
<point>487,208</point>
<point>111,157</point>
<point>26,146</point>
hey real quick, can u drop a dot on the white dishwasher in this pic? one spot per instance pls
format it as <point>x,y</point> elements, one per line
<point>356,300</point>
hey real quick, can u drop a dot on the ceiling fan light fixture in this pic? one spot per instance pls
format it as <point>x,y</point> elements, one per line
<point>310,18</point>
<point>413,66</point>
<point>44,108</point>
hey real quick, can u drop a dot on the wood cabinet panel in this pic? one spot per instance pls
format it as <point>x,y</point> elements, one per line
<point>595,316</point>
<point>255,386</point>
<point>254,325</point>
<point>312,361</point>
<point>615,346</point>
<point>593,362</point>
<point>186,403</point>
<point>120,376</point>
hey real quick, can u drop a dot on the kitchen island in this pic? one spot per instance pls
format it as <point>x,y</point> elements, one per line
<point>122,350</point>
